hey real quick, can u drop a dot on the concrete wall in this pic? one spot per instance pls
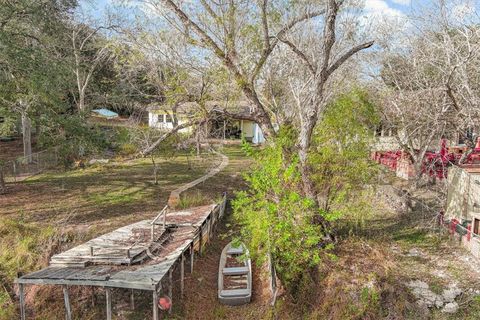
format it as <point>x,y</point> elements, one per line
<point>456,195</point>
<point>463,203</point>
<point>248,129</point>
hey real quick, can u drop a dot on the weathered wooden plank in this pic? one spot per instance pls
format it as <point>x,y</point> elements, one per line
<point>132,299</point>
<point>66,298</point>
<point>155,305</point>
<point>21,293</point>
<point>192,254</point>
<point>108,294</point>
<point>170,287</point>
<point>182,274</point>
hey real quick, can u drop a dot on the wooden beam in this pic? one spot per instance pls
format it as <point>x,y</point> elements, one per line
<point>155,305</point>
<point>68,310</point>
<point>109,303</point>
<point>94,297</point>
<point>192,254</point>
<point>200,236</point>
<point>21,293</point>
<point>170,287</point>
<point>182,274</point>
<point>165,217</point>
<point>132,299</point>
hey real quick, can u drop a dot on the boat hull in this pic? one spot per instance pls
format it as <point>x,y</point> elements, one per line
<point>240,273</point>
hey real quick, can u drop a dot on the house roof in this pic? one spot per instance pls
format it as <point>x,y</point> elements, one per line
<point>105,113</point>
<point>238,107</point>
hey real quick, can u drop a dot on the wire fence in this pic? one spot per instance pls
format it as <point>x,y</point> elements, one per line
<point>24,167</point>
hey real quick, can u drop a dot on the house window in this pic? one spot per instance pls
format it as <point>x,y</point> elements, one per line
<point>168,118</point>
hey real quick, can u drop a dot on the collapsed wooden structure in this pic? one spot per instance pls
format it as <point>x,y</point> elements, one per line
<point>139,256</point>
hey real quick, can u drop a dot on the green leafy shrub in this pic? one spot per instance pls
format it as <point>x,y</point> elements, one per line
<point>277,219</point>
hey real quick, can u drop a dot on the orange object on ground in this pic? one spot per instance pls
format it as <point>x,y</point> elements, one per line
<point>164,303</point>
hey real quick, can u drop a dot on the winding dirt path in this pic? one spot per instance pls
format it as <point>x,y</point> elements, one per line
<point>174,198</point>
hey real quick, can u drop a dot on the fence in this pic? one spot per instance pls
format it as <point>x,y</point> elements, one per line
<point>24,167</point>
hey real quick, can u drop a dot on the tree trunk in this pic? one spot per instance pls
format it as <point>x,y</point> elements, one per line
<point>27,137</point>
<point>197,141</point>
<point>155,170</point>
<point>81,101</point>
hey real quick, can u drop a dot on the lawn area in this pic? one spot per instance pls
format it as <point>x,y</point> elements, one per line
<point>122,191</point>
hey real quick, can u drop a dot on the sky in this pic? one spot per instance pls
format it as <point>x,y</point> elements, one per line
<point>381,7</point>
<point>373,8</point>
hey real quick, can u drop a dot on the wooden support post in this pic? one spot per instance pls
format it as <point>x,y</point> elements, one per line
<point>164,218</point>
<point>68,310</point>
<point>192,254</point>
<point>200,236</point>
<point>170,287</point>
<point>108,293</point>
<point>211,228</point>
<point>21,293</point>
<point>91,251</point>
<point>182,274</point>
<point>152,231</point>
<point>94,298</point>
<point>155,305</point>
<point>224,129</point>
<point>132,299</point>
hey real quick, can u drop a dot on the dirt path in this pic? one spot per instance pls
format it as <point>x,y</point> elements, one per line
<point>174,198</point>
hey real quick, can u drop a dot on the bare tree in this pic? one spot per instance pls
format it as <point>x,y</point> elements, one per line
<point>90,49</point>
<point>429,84</point>
<point>219,29</point>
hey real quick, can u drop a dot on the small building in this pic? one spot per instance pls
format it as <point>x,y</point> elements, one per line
<point>463,205</point>
<point>224,125</point>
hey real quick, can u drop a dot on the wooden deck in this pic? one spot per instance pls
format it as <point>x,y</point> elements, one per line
<point>127,257</point>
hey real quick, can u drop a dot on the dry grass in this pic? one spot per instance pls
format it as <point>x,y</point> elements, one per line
<point>54,211</point>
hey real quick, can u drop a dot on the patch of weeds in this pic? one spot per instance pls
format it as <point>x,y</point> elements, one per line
<point>469,311</point>
<point>436,286</point>
<point>219,312</point>
<point>410,236</point>
<point>193,199</point>
<point>22,247</point>
<point>456,271</point>
<point>7,307</point>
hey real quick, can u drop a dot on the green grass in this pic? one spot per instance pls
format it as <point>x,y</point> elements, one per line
<point>118,196</point>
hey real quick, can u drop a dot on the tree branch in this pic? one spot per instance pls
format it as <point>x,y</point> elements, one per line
<point>266,53</point>
<point>347,55</point>
<point>300,54</point>
<point>168,134</point>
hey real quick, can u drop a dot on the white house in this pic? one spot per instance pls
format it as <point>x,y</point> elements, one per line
<point>161,117</point>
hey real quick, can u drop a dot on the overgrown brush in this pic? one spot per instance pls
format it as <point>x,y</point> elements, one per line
<point>22,249</point>
<point>193,199</point>
<point>279,220</point>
